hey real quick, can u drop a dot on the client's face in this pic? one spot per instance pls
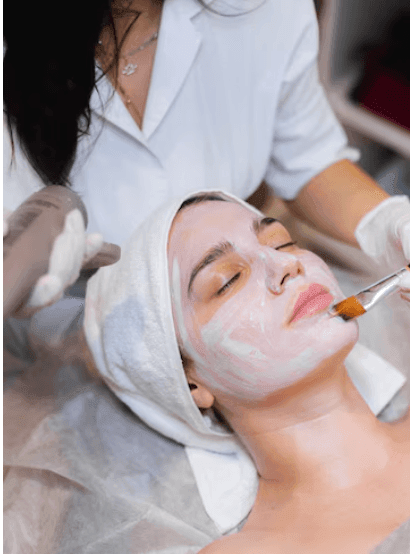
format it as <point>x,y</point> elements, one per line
<point>250,307</point>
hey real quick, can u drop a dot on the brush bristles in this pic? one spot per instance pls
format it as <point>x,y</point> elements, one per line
<point>349,308</point>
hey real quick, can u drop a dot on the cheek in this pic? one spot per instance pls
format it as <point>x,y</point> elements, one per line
<point>241,319</point>
<point>230,346</point>
<point>244,363</point>
<point>260,342</point>
<point>243,312</point>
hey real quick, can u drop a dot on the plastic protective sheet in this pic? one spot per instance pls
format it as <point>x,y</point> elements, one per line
<point>397,542</point>
<point>82,473</point>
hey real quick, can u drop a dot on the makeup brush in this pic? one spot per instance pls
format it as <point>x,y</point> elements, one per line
<point>360,303</point>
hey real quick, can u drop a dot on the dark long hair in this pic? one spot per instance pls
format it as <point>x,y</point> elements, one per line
<point>49,76</point>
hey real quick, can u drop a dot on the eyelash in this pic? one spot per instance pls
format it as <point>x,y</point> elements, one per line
<point>228,284</point>
<point>286,245</point>
<point>237,275</point>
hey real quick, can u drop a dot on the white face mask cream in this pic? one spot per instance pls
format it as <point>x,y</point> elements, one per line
<point>250,307</point>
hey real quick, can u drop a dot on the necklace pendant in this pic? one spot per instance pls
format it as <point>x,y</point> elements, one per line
<point>129,69</point>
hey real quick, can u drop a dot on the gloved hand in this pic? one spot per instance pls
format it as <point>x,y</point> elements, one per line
<point>71,250</point>
<point>384,234</point>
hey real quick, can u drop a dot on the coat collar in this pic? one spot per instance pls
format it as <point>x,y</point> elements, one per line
<point>178,44</point>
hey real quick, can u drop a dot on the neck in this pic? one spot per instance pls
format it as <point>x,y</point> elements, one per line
<point>130,30</point>
<point>322,438</point>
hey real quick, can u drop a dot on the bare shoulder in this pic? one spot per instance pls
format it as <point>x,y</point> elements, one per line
<point>243,543</point>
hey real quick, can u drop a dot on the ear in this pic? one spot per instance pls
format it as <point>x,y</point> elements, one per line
<point>200,394</point>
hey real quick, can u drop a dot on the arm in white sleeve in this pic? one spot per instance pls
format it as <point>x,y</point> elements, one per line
<point>308,138</point>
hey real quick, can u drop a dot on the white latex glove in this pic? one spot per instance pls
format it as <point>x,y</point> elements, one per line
<point>71,250</point>
<point>384,234</point>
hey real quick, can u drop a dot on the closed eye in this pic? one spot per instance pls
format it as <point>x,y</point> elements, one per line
<point>228,284</point>
<point>285,245</point>
<point>231,281</point>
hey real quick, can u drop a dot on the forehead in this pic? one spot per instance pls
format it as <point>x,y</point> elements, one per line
<point>209,221</point>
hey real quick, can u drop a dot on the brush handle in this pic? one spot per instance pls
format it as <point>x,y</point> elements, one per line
<point>380,290</point>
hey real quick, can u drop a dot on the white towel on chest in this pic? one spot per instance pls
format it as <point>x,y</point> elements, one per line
<point>129,328</point>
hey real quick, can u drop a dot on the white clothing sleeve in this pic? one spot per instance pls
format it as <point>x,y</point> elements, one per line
<point>308,137</point>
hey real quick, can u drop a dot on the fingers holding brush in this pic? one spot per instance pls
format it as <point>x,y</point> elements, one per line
<point>405,285</point>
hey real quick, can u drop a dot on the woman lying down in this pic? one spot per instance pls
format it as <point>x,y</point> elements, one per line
<point>263,371</point>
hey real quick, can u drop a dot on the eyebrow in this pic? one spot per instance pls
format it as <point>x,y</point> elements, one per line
<point>211,256</point>
<point>224,247</point>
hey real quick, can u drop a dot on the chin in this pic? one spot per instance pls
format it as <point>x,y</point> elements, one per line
<point>325,346</point>
<point>338,340</point>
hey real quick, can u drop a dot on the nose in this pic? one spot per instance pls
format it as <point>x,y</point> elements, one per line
<point>281,267</point>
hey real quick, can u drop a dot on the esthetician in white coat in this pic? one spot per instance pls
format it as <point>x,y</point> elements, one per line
<point>216,101</point>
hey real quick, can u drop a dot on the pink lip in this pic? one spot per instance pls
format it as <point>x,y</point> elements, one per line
<point>311,301</point>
